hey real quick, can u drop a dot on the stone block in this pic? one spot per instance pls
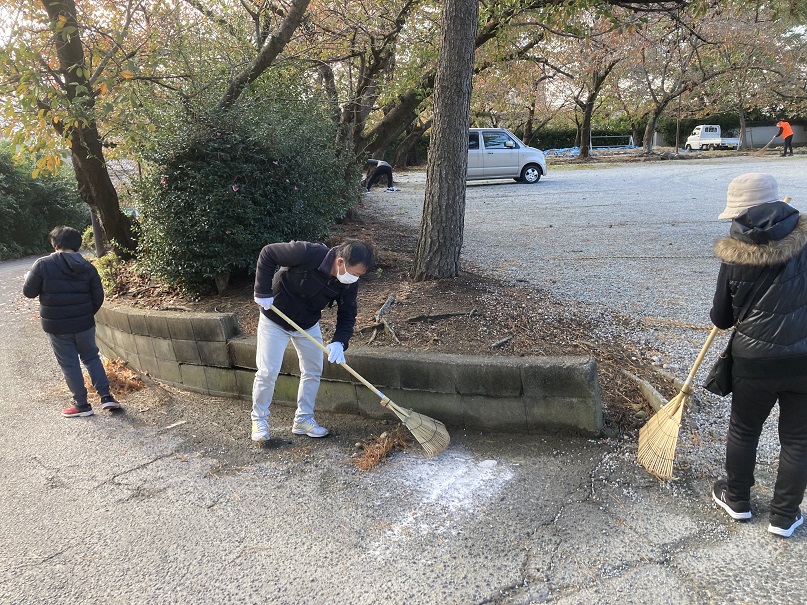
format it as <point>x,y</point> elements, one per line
<point>144,345</point>
<point>381,370</point>
<point>501,414</point>
<point>137,321</point>
<point>214,353</point>
<point>573,414</point>
<point>435,375</point>
<point>179,326</point>
<point>291,364</point>
<point>150,365</point>
<point>163,349</point>
<point>118,319</point>
<point>558,376</point>
<point>489,376</point>
<point>133,360</point>
<point>168,371</point>
<point>193,377</point>
<point>242,351</point>
<point>337,397</point>
<point>126,343</point>
<point>243,383</point>
<point>214,327</point>
<point>286,389</point>
<point>157,325</point>
<point>220,381</point>
<point>102,316</point>
<point>186,351</point>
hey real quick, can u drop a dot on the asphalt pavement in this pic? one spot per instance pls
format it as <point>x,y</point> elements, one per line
<point>136,508</point>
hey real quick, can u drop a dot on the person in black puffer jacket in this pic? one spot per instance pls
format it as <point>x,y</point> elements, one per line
<point>70,294</point>
<point>769,348</point>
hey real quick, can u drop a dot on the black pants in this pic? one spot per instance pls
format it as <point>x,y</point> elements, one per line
<point>751,404</point>
<point>378,173</point>
<point>788,143</point>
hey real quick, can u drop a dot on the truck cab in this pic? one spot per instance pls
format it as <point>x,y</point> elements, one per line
<point>708,136</point>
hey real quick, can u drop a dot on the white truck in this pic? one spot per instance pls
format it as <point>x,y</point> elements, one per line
<point>708,136</point>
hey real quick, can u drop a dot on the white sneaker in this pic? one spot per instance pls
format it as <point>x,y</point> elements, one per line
<point>260,430</point>
<point>308,427</point>
<point>392,189</point>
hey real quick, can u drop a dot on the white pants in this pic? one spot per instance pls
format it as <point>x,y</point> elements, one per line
<point>272,342</point>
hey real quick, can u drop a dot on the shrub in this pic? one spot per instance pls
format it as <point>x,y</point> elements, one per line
<point>219,191</point>
<point>30,208</point>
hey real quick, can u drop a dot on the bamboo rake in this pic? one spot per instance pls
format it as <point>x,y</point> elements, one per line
<point>430,433</point>
<point>658,438</point>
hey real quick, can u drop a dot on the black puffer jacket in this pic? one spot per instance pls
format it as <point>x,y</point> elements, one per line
<point>69,290</point>
<point>298,276</point>
<point>772,340</point>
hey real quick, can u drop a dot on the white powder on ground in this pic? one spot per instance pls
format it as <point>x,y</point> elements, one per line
<point>442,489</point>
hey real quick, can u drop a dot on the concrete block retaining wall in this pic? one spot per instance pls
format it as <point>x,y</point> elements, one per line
<point>207,353</point>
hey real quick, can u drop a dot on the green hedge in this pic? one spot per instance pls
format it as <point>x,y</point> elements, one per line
<point>30,208</point>
<point>218,192</point>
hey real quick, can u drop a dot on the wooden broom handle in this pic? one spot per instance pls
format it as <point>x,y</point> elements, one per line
<point>325,350</point>
<point>701,355</point>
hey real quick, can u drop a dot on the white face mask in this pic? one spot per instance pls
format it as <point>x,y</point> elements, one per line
<point>346,278</point>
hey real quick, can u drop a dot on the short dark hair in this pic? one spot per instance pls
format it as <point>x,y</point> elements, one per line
<point>65,238</point>
<point>356,252</point>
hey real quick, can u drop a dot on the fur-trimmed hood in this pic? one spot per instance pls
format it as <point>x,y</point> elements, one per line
<point>776,252</point>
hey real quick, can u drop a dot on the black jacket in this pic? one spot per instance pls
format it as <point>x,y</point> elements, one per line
<point>772,340</point>
<point>298,276</point>
<point>69,290</point>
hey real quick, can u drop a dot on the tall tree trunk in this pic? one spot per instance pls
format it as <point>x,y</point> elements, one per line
<point>405,149</point>
<point>94,183</point>
<point>441,231</point>
<point>741,113</point>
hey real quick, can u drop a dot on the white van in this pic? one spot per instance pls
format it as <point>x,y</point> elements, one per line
<point>496,153</point>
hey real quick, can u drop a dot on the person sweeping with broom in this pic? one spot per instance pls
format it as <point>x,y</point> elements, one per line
<point>300,279</point>
<point>763,277</point>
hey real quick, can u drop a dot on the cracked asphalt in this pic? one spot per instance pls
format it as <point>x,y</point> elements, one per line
<point>170,502</point>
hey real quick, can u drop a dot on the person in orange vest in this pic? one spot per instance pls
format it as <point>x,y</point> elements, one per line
<point>786,132</point>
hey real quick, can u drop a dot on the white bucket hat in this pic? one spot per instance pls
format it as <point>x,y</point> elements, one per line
<point>749,190</point>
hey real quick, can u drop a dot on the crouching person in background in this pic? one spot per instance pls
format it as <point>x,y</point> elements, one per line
<point>70,294</point>
<point>301,279</point>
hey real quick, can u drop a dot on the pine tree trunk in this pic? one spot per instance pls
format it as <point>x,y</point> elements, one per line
<point>437,254</point>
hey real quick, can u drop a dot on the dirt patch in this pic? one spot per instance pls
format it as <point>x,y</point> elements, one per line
<point>471,314</point>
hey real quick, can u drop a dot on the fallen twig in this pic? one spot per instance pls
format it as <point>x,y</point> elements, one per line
<point>500,343</point>
<point>439,316</point>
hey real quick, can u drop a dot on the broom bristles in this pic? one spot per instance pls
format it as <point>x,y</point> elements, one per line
<point>658,438</point>
<point>430,433</point>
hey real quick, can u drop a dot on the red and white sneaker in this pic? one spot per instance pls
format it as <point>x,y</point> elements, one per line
<point>75,411</point>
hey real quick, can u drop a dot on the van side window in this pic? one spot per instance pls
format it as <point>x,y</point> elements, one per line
<point>495,140</point>
<point>473,140</point>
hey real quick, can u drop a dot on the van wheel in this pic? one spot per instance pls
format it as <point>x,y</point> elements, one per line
<point>531,173</point>
<point>688,147</point>
<point>711,147</point>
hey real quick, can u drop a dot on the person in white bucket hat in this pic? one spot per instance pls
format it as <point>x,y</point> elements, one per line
<point>749,190</point>
<point>763,274</point>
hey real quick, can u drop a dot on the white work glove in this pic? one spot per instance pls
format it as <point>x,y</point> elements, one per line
<point>265,302</point>
<point>336,352</point>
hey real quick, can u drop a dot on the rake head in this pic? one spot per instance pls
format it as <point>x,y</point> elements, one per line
<point>658,438</point>
<point>430,433</point>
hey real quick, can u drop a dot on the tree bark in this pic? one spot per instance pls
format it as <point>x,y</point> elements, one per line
<point>409,144</point>
<point>441,231</point>
<point>267,54</point>
<point>87,154</point>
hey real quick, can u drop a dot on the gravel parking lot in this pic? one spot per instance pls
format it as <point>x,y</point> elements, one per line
<point>631,243</point>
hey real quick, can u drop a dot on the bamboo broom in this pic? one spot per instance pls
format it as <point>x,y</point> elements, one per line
<point>430,433</point>
<point>658,438</point>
